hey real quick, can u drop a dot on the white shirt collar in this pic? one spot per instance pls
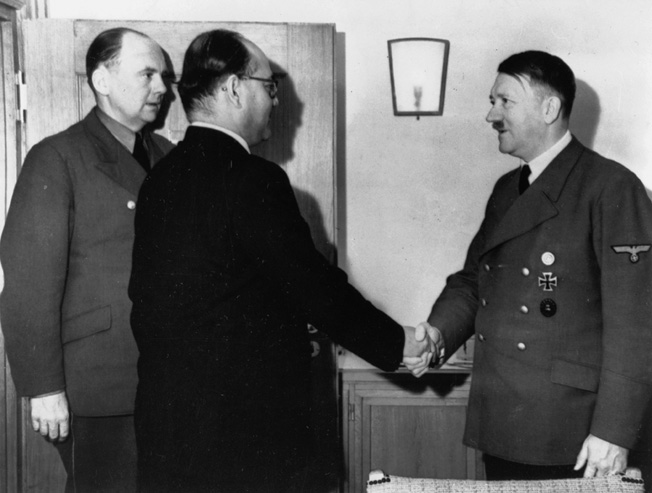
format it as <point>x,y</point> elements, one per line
<point>541,162</point>
<point>224,130</point>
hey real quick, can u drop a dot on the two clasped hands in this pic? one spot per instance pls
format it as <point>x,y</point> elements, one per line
<point>424,348</point>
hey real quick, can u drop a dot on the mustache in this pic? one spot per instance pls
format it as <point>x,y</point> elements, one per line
<point>498,126</point>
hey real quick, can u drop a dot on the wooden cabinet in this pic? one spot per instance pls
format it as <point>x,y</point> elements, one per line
<point>405,426</point>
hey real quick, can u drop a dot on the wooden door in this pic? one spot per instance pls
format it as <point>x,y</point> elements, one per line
<point>303,143</point>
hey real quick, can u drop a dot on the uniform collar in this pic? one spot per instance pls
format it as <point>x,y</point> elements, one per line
<point>541,162</point>
<point>122,134</point>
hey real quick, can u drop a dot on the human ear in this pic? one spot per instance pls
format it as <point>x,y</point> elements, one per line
<point>100,80</point>
<point>232,89</point>
<point>551,109</point>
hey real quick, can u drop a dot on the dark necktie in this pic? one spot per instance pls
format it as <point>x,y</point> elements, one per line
<point>140,153</point>
<point>523,181</point>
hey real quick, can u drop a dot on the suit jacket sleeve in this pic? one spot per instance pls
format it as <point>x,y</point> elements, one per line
<point>34,255</point>
<point>271,230</point>
<point>623,216</point>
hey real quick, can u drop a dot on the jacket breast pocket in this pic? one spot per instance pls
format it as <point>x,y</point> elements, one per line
<point>575,375</point>
<point>86,324</point>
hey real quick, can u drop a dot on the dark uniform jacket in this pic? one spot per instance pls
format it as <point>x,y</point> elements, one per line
<point>225,280</point>
<point>66,256</point>
<point>557,287</point>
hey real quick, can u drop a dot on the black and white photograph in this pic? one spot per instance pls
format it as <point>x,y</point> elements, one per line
<point>326,246</point>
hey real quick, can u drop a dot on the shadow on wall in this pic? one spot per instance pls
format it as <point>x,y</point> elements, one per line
<point>311,212</point>
<point>286,119</point>
<point>585,116</point>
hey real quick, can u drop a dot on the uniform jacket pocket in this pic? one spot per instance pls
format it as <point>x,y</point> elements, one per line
<point>575,375</point>
<point>86,324</point>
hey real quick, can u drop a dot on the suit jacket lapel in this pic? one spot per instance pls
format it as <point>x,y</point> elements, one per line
<point>113,159</point>
<point>524,213</point>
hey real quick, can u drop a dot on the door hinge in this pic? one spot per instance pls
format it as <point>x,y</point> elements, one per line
<point>21,97</point>
<point>351,412</point>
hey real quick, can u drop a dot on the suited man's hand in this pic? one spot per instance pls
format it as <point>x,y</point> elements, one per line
<point>417,354</point>
<point>436,341</point>
<point>50,415</point>
<point>601,457</point>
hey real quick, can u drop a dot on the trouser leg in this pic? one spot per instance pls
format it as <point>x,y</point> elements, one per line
<point>100,455</point>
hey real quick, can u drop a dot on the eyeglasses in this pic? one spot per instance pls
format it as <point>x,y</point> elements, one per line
<point>271,85</point>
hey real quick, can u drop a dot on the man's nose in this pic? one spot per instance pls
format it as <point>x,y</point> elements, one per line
<point>159,85</point>
<point>493,115</point>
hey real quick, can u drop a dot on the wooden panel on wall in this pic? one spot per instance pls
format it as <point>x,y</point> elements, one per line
<point>49,75</point>
<point>311,71</point>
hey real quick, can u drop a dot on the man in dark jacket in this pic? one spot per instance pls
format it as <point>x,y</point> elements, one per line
<point>556,288</point>
<point>225,280</point>
<point>66,255</point>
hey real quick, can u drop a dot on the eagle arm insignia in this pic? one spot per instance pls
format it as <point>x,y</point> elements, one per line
<point>633,251</point>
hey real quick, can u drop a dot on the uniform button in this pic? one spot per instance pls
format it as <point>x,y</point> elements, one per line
<point>486,267</point>
<point>131,205</point>
<point>481,338</point>
<point>520,346</point>
<point>525,271</point>
<point>524,309</point>
<point>484,302</point>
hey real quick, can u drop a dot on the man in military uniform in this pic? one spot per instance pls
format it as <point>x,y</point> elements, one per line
<point>66,254</point>
<point>556,288</point>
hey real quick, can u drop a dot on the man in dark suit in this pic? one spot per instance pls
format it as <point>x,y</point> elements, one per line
<point>556,288</point>
<point>225,280</point>
<point>66,255</point>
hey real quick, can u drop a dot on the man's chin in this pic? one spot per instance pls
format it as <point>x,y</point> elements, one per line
<point>504,148</point>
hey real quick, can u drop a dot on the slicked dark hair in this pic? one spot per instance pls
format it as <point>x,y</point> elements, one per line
<point>105,50</point>
<point>545,70</point>
<point>211,57</point>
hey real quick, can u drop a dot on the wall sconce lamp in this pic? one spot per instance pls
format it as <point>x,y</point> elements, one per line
<point>417,67</point>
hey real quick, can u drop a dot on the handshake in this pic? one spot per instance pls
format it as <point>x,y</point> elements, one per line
<point>424,348</point>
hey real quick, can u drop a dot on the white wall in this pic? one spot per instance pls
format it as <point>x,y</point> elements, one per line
<point>412,193</point>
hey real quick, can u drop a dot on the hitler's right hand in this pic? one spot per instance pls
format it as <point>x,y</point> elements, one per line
<point>50,416</point>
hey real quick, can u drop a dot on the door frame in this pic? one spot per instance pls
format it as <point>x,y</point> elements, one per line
<point>11,150</point>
